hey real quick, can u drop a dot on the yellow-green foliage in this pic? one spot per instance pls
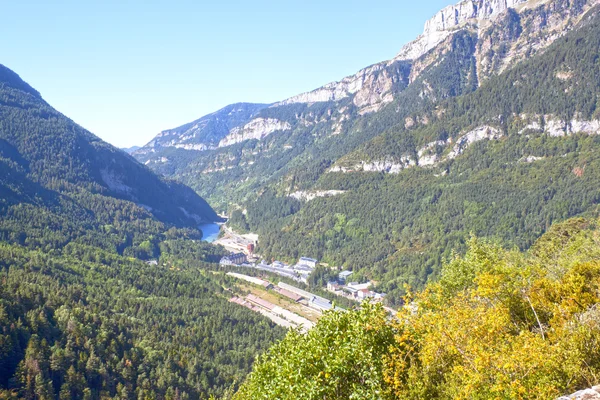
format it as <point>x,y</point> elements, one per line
<point>498,325</point>
<point>341,358</point>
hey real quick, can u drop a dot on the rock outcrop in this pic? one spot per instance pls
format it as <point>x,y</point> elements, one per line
<point>204,133</point>
<point>256,129</point>
<point>451,18</point>
<point>586,394</point>
<point>500,32</point>
<point>370,86</point>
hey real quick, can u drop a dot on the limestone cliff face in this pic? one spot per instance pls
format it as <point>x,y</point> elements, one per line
<point>370,86</point>
<point>525,31</point>
<point>452,18</point>
<point>504,32</point>
<point>507,32</point>
<point>204,133</point>
<point>256,129</point>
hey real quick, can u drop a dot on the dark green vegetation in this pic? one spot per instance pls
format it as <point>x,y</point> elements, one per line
<point>59,183</point>
<point>498,325</point>
<point>85,323</point>
<point>398,228</point>
<point>81,316</point>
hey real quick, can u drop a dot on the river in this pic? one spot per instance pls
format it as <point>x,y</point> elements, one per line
<point>210,232</point>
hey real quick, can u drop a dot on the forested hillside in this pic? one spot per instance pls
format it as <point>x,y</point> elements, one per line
<point>81,315</point>
<point>461,177</point>
<point>511,182</point>
<point>84,323</point>
<point>60,183</point>
<point>489,131</point>
<point>498,324</point>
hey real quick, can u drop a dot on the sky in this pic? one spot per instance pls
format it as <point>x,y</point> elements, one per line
<point>128,69</point>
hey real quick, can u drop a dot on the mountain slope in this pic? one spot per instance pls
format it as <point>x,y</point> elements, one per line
<point>54,170</point>
<point>206,132</point>
<point>461,47</point>
<point>400,148</point>
<point>505,161</point>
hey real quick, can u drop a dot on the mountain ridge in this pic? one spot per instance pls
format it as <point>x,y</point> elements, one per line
<point>406,173</point>
<point>57,174</point>
<point>372,88</point>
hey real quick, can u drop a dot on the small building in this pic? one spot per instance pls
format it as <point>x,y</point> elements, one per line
<point>152,262</point>
<point>364,294</point>
<point>261,302</point>
<point>267,285</point>
<point>250,248</point>
<point>344,275</point>
<point>303,293</point>
<point>359,286</point>
<point>311,262</point>
<point>333,286</point>
<point>378,296</point>
<point>234,259</point>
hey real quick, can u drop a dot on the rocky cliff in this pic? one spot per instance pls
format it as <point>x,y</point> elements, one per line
<point>204,133</point>
<point>504,32</point>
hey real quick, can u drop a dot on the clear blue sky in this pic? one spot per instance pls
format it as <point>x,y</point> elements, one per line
<point>128,69</point>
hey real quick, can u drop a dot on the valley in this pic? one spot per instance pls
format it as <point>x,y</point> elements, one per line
<point>473,128</point>
<point>425,228</point>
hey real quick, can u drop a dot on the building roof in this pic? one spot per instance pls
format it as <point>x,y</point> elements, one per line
<point>260,302</point>
<point>302,267</point>
<point>325,305</point>
<point>312,260</point>
<point>301,292</point>
<point>359,286</point>
<point>345,274</point>
<point>288,294</point>
<point>234,257</point>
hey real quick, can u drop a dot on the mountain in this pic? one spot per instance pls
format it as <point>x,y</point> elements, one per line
<point>501,33</point>
<point>131,149</point>
<point>485,124</point>
<point>58,175</point>
<point>204,133</point>
<point>106,290</point>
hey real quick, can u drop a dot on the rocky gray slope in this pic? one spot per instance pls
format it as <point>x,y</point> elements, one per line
<point>586,394</point>
<point>504,33</point>
<point>206,132</point>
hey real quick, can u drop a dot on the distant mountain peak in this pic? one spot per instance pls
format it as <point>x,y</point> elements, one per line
<point>450,18</point>
<point>207,131</point>
<point>130,150</point>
